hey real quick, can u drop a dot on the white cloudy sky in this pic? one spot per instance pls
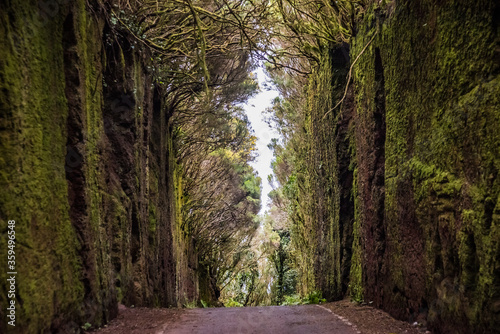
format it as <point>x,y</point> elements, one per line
<point>255,109</point>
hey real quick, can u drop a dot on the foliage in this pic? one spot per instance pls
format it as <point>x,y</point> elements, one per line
<point>280,258</point>
<point>232,303</point>
<point>200,57</point>
<point>304,165</point>
<point>86,326</point>
<point>191,304</point>
<point>314,297</point>
<point>292,300</point>
<point>197,47</point>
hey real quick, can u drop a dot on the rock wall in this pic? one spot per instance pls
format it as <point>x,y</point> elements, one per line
<point>405,203</point>
<point>324,211</point>
<point>87,170</point>
<point>427,92</point>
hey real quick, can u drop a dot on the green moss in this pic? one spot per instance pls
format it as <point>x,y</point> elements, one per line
<point>33,151</point>
<point>442,137</point>
<point>35,56</point>
<point>356,272</point>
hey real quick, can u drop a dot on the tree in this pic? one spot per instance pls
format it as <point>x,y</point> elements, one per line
<point>201,61</point>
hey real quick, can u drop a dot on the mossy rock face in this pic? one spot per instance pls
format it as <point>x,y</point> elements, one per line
<point>434,71</point>
<point>87,161</point>
<point>423,150</point>
<point>321,184</point>
<point>33,154</point>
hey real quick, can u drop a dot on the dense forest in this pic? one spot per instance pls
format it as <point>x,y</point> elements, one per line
<point>126,158</point>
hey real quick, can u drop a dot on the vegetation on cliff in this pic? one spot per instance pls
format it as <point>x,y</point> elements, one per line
<point>126,154</point>
<point>125,157</point>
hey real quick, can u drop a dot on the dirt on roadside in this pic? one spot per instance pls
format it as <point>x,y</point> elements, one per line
<point>141,320</point>
<point>370,320</point>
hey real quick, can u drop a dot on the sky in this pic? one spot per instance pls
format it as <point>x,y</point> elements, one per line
<point>254,109</point>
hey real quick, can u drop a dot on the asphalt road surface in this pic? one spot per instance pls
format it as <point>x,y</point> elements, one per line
<point>301,319</point>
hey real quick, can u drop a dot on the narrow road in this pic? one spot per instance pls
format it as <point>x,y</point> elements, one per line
<point>272,319</point>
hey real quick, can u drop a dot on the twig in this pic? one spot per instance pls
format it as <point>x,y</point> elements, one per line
<point>349,76</point>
